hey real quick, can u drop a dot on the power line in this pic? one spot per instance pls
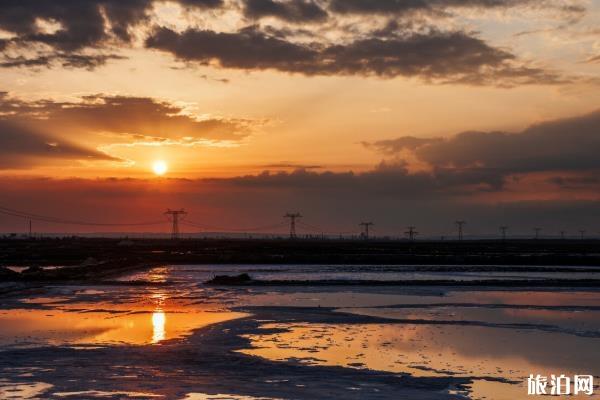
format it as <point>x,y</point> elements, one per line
<point>176,217</point>
<point>63,221</point>
<point>318,229</point>
<point>222,229</point>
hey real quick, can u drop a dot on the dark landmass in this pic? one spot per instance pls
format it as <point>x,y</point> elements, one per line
<point>246,280</point>
<point>73,251</point>
<point>94,259</point>
<point>84,272</point>
<point>237,280</point>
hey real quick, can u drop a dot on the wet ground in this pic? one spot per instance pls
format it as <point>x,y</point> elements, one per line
<point>169,336</point>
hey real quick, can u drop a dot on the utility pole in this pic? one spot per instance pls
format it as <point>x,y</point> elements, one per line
<point>562,235</point>
<point>30,232</point>
<point>366,225</point>
<point>503,230</point>
<point>175,216</point>
<point>460,225</point>
<point>411,233</point>
<point>582,232</point>
<point>537,233</point>
<point>293,217</point>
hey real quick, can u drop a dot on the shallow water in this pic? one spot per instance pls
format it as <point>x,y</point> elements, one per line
<point>493,338</point>
<point>433,350</point>
<point>27,328</point>
<point>367,272</point>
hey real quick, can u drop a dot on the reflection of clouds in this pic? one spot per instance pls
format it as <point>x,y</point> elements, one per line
<point>158,326</point>
<point>466,350</point>
<point>158,274</point>
<point>159,298</point>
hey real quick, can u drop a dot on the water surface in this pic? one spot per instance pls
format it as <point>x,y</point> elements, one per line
<point>492,339</point>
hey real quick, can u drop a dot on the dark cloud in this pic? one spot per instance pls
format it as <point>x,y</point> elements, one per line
<point>575,182</point>
<point>387,179</point>
<point>64,60</point>
<point>132,118</point>
<point>247,49</point>
<point>21,147</point>
<point>141,116</point>
<point>438,56</point>
<point>569,144</point>
<point>202,3</point>
<point>40,132</point>
<point>84,34</point>
<point>289,165</point>
<point>297,11</point>
<point>76,31</point>
<point>72,27</point>
<point>81,23</point>
<point>404,6</point>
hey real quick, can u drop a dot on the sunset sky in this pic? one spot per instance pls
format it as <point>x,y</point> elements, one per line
<point>405,112</point>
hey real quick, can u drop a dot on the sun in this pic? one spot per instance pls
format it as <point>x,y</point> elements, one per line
<point>160,167</point>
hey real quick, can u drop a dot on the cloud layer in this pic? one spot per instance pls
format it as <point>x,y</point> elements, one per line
<point>88,34</point>
<point>439,56</point>
<point>37,130</point>
<point>569,144</point>
<point>24,148</point>
<point>332,202</point>
<point>74,33</point>
<point>299,11</point>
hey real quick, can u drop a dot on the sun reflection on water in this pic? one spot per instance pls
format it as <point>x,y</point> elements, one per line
<point>158,326</point>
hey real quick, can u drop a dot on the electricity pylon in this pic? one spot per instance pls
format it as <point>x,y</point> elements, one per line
<point>537,232</point>
<point>411,233</point>
<point>174,216</point>
<point>460,225</point>
<point>292,217</point>
<point>366,225</point>
<point>503,230</point>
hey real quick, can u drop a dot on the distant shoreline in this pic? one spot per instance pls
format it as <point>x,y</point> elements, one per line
<point>75,251</point>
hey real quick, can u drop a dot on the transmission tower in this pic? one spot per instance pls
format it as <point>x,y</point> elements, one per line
<point>366,225</point>
<point>411,233</point>
<point>460,225</point>
<point>293,217</point>
<point>562,234</point>
<point>537,232</point>
<point>582,233</point>
<point>175,216</point>
<point>503,230</point>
